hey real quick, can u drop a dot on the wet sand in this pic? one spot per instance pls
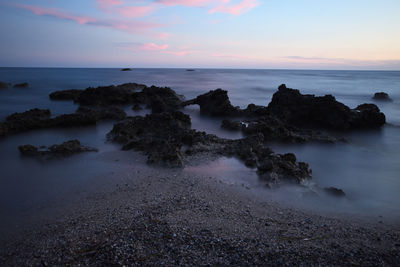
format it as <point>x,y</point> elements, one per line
<point>155,216</point>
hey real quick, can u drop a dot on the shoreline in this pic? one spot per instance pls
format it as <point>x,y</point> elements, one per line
<point>159,216</point>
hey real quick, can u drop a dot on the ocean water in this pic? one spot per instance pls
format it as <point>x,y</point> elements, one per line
<point>367,168</point>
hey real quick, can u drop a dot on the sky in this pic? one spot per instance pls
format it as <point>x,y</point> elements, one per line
<point>266,34</point>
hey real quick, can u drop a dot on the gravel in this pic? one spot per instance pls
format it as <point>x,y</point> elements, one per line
<point>159,217</point>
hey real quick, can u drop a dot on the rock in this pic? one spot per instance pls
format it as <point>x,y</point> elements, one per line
<point>160,136</point>
<point>41,119</point>
<point>333,191</point>
<point>3,85</point>
<point>21,85</point>
<point>190,70</point>
<point>382,96</point>
<point>55,151</point>
<point>323,112</point>
<point>232,125</point>
<point>215,103</point>
<point>163,137</point>
<point>161,99</point>
<point>28,150</point>
<point>71,94</point>
<point>126,69</point>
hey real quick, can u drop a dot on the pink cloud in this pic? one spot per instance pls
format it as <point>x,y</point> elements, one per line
<point>153,47</point>
<point>132,27</point>
<point>235,9</point>
<point>135,11</point>
<point>105,4</point>
<point>56,13</point>
<point>234,56</point>
<point>193,3</point>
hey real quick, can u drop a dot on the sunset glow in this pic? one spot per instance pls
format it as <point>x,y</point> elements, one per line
<point>306,34</point>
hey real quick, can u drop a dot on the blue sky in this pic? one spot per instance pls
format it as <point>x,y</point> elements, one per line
<point>303,34</point>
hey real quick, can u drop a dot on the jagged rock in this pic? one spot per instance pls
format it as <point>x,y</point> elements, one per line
<point>215,103</point>
<point>3,85</point>
<point>160,136</point>
<point>321,112</point>
<point>382,96</point>
<point>333,191</point>
<point>126,69</point>
<point>163,136</point>
<point>41,119</point>
<point>71,94</point>
<point>21,85</point>
<point>65,149</point>
<point>161,99</point>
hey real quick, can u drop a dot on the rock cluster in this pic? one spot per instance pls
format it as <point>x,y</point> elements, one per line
<point>21,85</point>
<point>166,138</point>
<point>55,151</point>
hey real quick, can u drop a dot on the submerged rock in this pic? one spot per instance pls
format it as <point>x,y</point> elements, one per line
<point>333,191</point>
<point>382,96</point>
<point>322,112</point>
<point>21,85</point>
<point>55,151</point>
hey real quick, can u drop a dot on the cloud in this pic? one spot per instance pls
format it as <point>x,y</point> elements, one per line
<point>235,9</point>
<point>189,3</point>
<point>106,4</point>
<point>132,27</point>
<point>153,47</point>
<point>234,56</point>
<point>158,48</point>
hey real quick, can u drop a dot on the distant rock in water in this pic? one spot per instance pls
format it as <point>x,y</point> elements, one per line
<point>190,70</point>
<point>322,112</point>
<point>3,85</point>
<point>21,85</point>
<point>336,192</point>
<point>382,96</point>
<point>126,69</point>
<point>55,151</point>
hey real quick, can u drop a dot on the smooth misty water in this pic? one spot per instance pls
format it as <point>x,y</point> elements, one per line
<point>367,168</point>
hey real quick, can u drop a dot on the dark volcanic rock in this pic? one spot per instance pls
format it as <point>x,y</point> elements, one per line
<point>65,149</point>
<point>126,69</point>
<point>215,103</point>
<point>71,94</point>
<point>321,112</point>
<point>160,136</point>
<point>41,119</point>
<point>232,125</point>
<point>21,85</point>
<point>166,138</point>
<point>136,107</point>
<point>336,192</point>
<point>161,99</point>
<point>3,85</point>
<point>382,96</point>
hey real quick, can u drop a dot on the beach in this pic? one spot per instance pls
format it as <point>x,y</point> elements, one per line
<point>169,217</point>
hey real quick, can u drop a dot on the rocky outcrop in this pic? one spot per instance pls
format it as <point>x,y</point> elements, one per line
<point>382,96</point>
<point>41,119</point>
<point>335,192</point>
<point>324,112</point>
<point>159,99</point>
<point>166,138</point>
<point>126,69</point>
<point>71,94</point>
<point>214,103</point>
<point>21,85</point>
<point>55,151</point>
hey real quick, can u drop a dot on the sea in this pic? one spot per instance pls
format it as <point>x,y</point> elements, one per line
<point>366,168</point>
